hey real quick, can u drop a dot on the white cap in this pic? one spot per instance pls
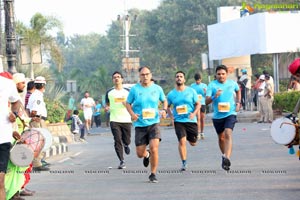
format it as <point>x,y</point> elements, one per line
<point>262,77</point>
<point>19,78</point>
<point>40,79</point>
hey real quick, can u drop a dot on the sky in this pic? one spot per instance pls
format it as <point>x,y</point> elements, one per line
<point>80,17</point>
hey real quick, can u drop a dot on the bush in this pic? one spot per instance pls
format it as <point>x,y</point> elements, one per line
<point>286,101</point>
<point>56,111</point>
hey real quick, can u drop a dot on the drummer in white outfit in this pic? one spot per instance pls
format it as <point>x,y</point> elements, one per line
<point>8,94</point>
<point>87,103</point>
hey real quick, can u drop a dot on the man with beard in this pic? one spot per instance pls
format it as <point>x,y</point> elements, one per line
<point>225,95</point>
<point>22,122</point>
<point>185,108</point>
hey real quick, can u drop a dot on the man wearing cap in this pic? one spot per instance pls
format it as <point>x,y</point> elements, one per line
<point>22,122</point>
<point>261,99</point>
<point>244,81</point>
<point>19,79</point>
<point>294,68</point>
<point>269,98</point>
<point>38,114</point>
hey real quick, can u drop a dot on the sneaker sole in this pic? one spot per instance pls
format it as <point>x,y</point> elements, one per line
<point>226,164</point>
<point>127,151</point>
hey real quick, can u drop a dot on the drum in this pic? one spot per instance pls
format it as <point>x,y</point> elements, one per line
<point>283,131</point>
<point>21,155</point>
<point>33,139</point>
<point>47,136</point>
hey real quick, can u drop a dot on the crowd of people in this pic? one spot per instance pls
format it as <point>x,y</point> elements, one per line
<point>140,107</point>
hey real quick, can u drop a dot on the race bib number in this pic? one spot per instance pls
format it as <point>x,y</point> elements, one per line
<point>148,113</point>
<point>199,97</point>
<point>181,109</point>
<point>120,99</point>
<point>224,107</point>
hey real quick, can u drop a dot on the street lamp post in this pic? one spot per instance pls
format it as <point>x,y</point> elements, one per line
<point>130,64</point>
<point>10,35</point>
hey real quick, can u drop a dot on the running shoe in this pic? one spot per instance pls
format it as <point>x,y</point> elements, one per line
<point>152,178</point>
<point>146,161</point>
<point>127,149</point>
<point>183,167</point>
<point>202,136</point>
<point>122,165</point>
<point>225,163</point>
<point>198,136</point>
<point>82,140</point>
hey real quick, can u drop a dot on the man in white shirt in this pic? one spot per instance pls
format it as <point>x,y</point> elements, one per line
<point>87,103</point>
<point>38,113</point>
<point>8,96</point>
<point>261,99</point>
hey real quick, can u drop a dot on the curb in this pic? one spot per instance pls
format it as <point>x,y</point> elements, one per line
<point>56,149</point>
<point>242,117</point>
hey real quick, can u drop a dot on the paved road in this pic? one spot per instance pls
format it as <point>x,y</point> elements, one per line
<point>260,169</point>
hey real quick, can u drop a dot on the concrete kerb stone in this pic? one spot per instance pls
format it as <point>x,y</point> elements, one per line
<point>56,149</point>
<point>61,135</point>
<point>243,117</point>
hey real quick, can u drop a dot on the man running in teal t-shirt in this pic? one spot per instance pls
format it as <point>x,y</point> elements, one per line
<point>185,108</point>
<point>142,105</point>
<point>201,91</point>
<point>225,95</point>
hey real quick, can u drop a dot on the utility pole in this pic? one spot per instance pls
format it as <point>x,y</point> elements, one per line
<point>10,35</point>
<point>130,64</point>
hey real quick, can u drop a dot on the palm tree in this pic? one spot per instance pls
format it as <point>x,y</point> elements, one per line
<point>37,36</point>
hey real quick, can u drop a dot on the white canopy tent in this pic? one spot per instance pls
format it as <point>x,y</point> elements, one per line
<point>261,33</point>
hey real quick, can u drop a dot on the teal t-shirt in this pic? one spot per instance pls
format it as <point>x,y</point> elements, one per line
<point>201,91</point>
<point>224,105</point>
<point>97,110</point>
<point>145,101</point>
<point>183,104</point>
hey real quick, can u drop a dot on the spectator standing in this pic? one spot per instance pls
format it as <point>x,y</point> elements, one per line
<point>255,87</point>
<point>262,104</point>
<point>244,81</point>
<point>30,89</point>
<point>38,114</point>
<point>269,98</point>
<point>71,107</point>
